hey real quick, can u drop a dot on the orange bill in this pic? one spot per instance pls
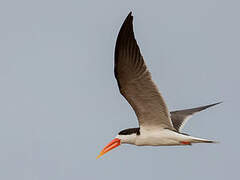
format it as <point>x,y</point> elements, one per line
<point>113,144</point>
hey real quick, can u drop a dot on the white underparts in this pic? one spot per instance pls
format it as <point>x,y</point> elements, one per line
<point>163,137</point>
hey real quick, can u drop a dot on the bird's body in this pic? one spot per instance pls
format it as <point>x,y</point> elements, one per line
<point>157,127</point>
<point>159,137</point>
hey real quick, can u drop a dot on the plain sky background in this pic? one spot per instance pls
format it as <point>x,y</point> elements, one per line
<point>59,101</point>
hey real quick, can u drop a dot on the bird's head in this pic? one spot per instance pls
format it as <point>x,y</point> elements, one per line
<point>127,136</point>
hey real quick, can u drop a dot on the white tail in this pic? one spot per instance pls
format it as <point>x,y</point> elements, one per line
<point>200,140</point>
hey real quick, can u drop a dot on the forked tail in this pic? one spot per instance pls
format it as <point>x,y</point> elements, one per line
<point>200,140</point>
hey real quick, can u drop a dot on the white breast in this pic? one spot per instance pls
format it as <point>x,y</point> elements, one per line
<point>158,137</point>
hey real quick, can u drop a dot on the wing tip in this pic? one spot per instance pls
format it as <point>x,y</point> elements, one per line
<point>211,141</point>
<point>129,17</point>
<point>201,108</point>
<point>214,104</point>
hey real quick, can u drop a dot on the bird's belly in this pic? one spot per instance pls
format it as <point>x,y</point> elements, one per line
<point>156,142</point>
<point>159,138</point>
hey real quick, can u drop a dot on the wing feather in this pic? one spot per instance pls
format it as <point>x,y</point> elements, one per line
<point>180,117</point>
<point>135,82</point>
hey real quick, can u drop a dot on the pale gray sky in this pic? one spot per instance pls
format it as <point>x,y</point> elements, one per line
<point>59,102</point>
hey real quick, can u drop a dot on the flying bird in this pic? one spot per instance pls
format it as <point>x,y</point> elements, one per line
<point>157,127</point>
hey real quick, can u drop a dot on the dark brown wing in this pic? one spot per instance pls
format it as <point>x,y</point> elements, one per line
<point>135,82</point>
<point>179,118</point>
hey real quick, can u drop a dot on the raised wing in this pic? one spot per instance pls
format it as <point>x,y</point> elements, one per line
<point>179,118</point>
<point>135,82</point>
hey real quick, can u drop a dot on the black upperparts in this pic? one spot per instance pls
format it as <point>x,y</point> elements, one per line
<point>130,131</point>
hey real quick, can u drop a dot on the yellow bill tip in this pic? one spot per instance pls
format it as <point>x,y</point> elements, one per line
<point>99,156</point>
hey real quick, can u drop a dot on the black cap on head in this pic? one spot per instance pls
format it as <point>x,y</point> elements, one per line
<point>130,131</point>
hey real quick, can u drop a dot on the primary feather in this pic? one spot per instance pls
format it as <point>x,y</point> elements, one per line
<point>135,82</point>
<point>180,117</point>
